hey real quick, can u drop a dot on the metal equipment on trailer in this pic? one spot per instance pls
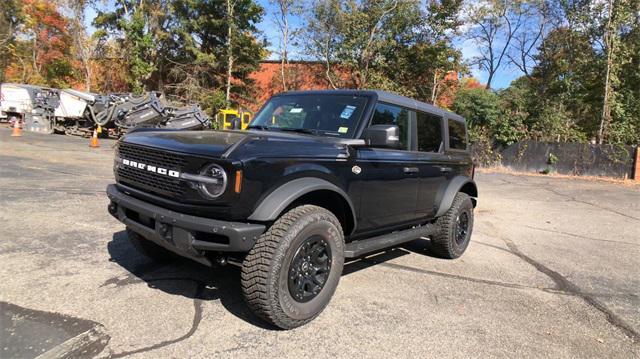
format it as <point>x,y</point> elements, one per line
<point>151,111</point>
<point>74,112</point>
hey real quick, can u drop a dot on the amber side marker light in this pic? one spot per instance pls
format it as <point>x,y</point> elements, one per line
<point>238,186</point>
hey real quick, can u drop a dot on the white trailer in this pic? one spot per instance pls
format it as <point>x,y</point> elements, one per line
<point>16,100</point>
<point>32,106</point>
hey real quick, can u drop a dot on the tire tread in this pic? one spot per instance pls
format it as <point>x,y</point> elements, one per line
<point>258,290</point>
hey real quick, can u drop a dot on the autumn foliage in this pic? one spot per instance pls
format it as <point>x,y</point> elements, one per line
<point>43,50</point>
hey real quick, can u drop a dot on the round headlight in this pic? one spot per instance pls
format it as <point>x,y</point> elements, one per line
<point>215,181</point>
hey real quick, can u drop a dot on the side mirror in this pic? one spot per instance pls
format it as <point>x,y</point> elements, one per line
<point>382,136</point>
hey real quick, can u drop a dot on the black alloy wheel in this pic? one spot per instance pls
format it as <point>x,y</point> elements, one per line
<point>309,269</point>
<point>462,227</point>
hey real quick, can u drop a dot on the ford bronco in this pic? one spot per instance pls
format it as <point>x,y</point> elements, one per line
<point>319,176</point>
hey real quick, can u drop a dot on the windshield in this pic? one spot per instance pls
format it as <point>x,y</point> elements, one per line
<point>333,115</point>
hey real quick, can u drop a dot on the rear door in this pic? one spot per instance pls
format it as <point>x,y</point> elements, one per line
<point>457,149</point>
<point>433,162</point>
<point>388,179</point>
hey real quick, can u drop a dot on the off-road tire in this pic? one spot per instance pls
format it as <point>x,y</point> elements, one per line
<point>444,243</point>
<point>265,269</point>
<point>150,249</point>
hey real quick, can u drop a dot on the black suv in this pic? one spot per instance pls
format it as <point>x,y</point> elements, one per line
<point>319,176</point>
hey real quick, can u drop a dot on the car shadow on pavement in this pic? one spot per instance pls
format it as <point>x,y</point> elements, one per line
<point>182,277</point>
<point>201,283</point>
<point>358,264</point>
<point>419,246</point>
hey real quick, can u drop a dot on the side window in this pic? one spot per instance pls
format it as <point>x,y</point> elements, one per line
<point>457,135</point>
<point>429,132</point>
<point>393,115</point>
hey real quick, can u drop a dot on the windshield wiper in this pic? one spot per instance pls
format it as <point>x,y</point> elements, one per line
<point>300,130</point>
<point>258,127</point>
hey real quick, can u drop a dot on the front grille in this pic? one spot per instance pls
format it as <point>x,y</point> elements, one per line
<point>148,180</point>
<point>151,156</point>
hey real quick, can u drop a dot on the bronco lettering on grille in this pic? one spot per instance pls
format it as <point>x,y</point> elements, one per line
<point>154,169</point>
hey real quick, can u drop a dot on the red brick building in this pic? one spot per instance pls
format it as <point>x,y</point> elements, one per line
<point>301,75</point>
<point>311,75</point>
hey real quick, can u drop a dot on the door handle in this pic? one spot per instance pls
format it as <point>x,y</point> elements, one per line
<point>445,169</point>
<point>411,170</point>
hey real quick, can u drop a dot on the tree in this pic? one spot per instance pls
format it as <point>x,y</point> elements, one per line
<point>493,24</point>
<point>480,107</point>
<point>525,43</point>
<point>285,9</point>
<point>10,18</point>
<point>84,45</point>
<point>42,47</point>
<point>132,21</point>
<point>321,35</point>
<point>363,38</point>
<point>618,17</point>
<point>192,49</point>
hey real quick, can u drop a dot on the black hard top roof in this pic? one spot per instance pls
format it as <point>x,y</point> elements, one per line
<point>384,96</point>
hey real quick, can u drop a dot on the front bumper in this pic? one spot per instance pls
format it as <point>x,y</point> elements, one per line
<point>187,235</point>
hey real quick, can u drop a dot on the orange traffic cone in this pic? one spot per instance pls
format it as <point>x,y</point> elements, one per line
<point>94,140</point>
<point>17,132</point>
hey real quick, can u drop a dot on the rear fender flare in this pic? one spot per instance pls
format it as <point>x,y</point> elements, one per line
<point>450,193</point>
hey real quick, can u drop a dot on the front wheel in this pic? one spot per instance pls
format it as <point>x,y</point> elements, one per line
<point>291,273</point>
<point>454,228</point>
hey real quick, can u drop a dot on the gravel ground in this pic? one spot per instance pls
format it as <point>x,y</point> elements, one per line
<point>552,271</point>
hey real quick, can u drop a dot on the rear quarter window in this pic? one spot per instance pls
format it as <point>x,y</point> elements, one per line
<point>429,132</point>
<point>457,135</point>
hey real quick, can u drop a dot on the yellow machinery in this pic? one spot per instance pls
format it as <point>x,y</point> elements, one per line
<point>228,119</point>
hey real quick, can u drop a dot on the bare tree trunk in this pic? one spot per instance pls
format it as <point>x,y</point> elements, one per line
<point>328,74</point>
<point>366,56</point>
<point>87,80</point>
<point>282,21</point>
<point>283,60</point>
<point>230,6</point>
<point>434,89</point>
<point>606,102</point>
<point>34,54</point>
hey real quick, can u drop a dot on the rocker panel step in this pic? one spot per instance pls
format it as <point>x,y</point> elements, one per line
<point>365,246</point>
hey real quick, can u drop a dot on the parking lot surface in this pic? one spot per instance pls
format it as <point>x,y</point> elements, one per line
<point>552,271</point>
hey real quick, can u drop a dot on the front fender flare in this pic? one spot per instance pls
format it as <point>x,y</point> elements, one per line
<point>277,201</point>
<point>450,193</point>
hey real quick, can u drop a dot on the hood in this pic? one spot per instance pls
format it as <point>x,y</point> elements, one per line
<point>241,144</point>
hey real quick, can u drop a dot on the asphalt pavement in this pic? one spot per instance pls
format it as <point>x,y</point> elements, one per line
<point>552,271</point>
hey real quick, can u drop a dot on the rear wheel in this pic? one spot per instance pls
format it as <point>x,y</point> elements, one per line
<point>150,249</point>
<point>454,233</point>
<point>291,273</point>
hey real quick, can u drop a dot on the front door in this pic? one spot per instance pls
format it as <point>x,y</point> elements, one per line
<point>388,179</point>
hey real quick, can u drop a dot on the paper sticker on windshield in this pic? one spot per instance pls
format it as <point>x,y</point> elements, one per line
<point>343,129</point>
<point>347,112</point>
<point>296,110</point>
